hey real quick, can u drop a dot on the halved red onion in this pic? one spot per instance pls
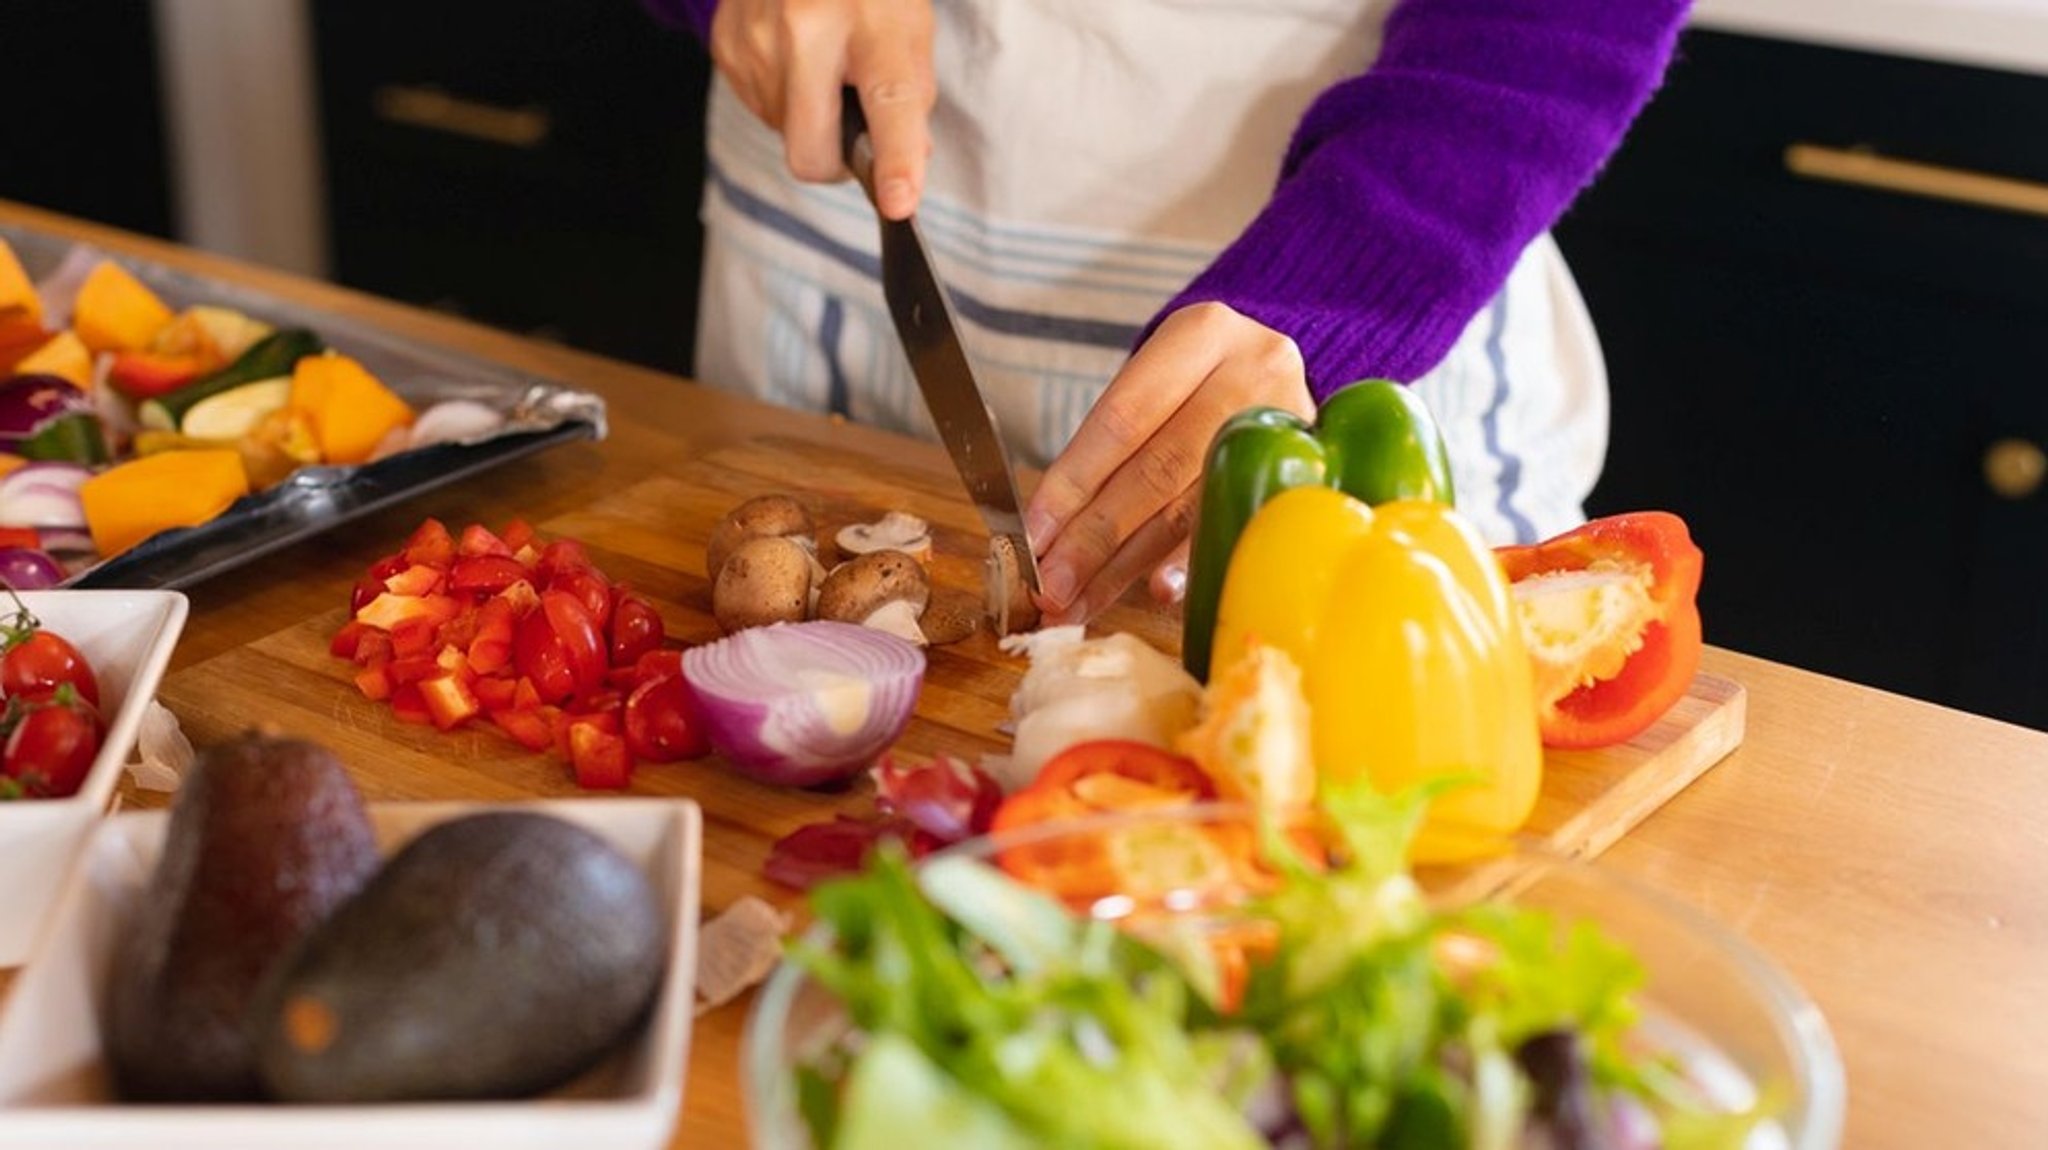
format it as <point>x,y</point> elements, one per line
<point>43,494</point>
<point>803,704</point>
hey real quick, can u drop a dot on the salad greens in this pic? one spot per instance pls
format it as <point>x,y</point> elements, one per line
<point>985,1013</point>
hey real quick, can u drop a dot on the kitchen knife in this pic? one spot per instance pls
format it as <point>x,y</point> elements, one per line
<point>931,338</point>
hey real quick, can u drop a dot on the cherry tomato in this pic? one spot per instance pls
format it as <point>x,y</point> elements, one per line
<point>486,574</point>
<point>661,722</point>
<point>52,746</point>
<point>559,556</point>
<point>590,589</point>
<point>41,663</point>
<point>636,628</point>
<point>539,656</point>
<point>581,635</point>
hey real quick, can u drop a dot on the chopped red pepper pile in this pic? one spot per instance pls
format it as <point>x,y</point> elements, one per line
<point>529,635</point>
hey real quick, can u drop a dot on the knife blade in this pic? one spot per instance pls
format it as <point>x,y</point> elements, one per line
<point>924,318</point>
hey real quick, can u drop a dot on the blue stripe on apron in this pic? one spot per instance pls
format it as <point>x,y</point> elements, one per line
<point>1007,321</point>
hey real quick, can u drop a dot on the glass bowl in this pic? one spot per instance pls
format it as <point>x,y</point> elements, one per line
<point>1709,998</point>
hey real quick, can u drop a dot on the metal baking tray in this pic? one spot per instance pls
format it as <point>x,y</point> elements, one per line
<point>539,413</point>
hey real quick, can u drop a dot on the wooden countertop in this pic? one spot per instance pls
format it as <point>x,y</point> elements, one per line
<point>1887,853</point>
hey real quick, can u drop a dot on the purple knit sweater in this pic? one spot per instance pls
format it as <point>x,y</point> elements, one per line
<point>1409,191</point>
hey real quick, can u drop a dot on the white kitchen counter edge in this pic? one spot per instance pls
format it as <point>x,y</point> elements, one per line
<point>2006,34</point>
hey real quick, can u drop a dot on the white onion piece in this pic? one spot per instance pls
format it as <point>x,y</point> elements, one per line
<point>43,494</point>
<point>804,704</point>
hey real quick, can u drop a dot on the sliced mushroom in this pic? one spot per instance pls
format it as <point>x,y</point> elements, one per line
<point>1010,606</point>
<point>765,580</point>
<point>763,515</point>
<point>882,589</point>
<point>896,531</point>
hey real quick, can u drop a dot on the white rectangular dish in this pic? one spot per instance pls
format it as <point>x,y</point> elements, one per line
<point>128,637</point>
<point>54,1087</point>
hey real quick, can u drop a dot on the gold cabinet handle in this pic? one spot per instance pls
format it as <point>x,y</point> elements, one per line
<point>2014,468</point>
<point>1867,169</point>
<point>425,106</point>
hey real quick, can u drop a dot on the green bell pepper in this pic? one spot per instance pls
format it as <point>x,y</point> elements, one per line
<point>1374,440</point>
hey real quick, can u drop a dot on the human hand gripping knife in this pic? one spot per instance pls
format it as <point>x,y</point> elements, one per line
<point>924,322</point>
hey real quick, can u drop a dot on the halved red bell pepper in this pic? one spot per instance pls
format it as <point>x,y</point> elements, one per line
<point>1610,615</point>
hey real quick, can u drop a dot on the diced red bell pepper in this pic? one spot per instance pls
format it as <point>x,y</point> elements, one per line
<point>415,581</point>
<point>347,640</point>
<point>529,727</point>
<point>517,534</point>
<point>1626,685</point>
<point>413,636</point>
<point>450,702</point>
<point>451,660</point>
<point>409,705</point>
<point>599,756</point>
<point>387,609</point>
<point>477,540</point>
<point>374,683</point>
<point>431,545</point>
<point>494,693</point>
<point>411,669</point>
<point>373,647</point>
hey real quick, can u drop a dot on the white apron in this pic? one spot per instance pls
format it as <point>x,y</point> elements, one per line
<point>1090,157</point>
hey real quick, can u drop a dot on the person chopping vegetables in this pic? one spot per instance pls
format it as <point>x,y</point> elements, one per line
<point>1266,199</point>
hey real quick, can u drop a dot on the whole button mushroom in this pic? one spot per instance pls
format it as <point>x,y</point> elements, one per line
<point>886,590</point>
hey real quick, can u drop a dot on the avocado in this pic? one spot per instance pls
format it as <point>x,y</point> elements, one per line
<point>494,956</point>
<point>267,836</point>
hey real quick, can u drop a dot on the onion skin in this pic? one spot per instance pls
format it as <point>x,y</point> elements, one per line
<point>774,728</point>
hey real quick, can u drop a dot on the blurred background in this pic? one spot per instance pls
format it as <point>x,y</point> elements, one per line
<point>1816,265</point>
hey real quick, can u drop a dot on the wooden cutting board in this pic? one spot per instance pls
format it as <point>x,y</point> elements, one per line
<point>652,535</point>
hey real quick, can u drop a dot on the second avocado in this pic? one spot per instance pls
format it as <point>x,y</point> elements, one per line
<point>496,955</point>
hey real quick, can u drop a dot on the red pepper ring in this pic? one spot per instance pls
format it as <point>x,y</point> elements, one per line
<point>1657,674</point>
<point>1101,777</point>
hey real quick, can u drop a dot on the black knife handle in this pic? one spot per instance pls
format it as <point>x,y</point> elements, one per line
<point>853,130</point>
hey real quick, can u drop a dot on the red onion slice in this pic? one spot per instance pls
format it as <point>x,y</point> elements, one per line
<point>803,704</point>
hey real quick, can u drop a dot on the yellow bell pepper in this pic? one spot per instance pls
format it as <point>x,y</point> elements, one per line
<point>1411,660</point>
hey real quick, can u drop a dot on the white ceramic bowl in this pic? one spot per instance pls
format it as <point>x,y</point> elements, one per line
<point>128,637</point>
<point>54,1088</point>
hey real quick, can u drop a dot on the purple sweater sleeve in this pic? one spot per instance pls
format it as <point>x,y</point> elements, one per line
<point>1408,192</point>
<point>692,14</point>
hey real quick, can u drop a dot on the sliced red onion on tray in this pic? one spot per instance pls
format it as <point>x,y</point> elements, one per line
<point>43,494</point>
<point>804,704</point>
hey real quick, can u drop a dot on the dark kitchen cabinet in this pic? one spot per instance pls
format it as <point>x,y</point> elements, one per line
<point>85,133</point>
<point>1841,386</point>
<point>531,164</point>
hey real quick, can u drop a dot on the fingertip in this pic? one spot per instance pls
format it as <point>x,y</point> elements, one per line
<point>896,198</point>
